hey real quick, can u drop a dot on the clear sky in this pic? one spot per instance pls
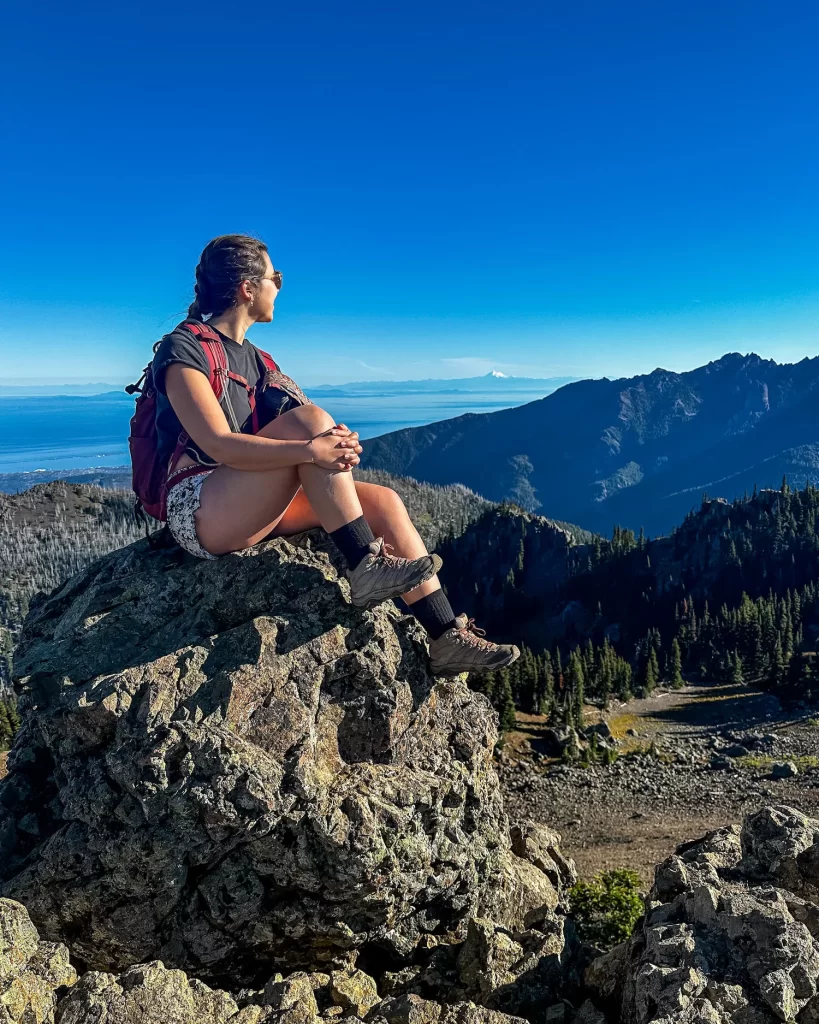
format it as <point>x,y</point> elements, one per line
<point>543,188</point>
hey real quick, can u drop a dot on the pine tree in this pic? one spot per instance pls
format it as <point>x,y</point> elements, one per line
<point>506,706</point>
<point>14,717</point>
<point>547,687</point>
<point>777,664</point>
<point>652,671</point>
<point>6,730</point>
<point>676,665</point>
<point>579,699</point>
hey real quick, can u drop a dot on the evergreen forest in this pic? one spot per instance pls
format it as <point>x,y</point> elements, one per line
<point>730,596</point>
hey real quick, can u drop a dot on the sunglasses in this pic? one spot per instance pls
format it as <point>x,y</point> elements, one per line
<point>276,278</point>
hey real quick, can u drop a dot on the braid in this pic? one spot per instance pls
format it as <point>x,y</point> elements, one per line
<point>225,262</point>
<point>198,308</point>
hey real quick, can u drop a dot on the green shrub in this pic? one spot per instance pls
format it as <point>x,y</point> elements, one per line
<point>606,908</point>
<point>9,722</point>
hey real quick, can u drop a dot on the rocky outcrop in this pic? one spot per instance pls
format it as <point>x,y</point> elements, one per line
<point>32,973</point>
<point>730,933</point>
<point>38,985</point>
<point>225,771</point>
<point>151,994</point>
<point>226,767</point>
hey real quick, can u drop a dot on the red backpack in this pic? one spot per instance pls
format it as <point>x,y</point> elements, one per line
<point>149,471</point>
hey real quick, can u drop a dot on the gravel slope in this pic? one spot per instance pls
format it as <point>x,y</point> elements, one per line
<point>715,748</point>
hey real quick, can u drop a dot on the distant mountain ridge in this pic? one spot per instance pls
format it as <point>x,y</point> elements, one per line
<point>490,382</point>
<point>48,390</point>
<point>635,451</point>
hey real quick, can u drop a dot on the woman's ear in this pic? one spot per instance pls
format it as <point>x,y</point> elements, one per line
<point>246,291</point>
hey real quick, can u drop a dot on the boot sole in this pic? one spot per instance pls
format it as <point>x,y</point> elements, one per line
<point>435,565</point>
<point>454,670</point>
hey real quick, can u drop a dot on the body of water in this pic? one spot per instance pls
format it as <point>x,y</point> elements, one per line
<point>74,432</point>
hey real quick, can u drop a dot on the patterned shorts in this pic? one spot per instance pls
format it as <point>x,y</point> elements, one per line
<point>182,503</point>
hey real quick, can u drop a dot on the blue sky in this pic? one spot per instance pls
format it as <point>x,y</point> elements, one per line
<point>543,188</point>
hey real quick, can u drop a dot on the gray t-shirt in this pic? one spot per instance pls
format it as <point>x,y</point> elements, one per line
<point>180,346</point>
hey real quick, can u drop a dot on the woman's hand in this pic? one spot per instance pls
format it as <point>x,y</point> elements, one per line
<point>336,448</point>
<point>350,436</point>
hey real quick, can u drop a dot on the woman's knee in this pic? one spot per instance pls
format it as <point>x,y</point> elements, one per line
<point>304,422</point>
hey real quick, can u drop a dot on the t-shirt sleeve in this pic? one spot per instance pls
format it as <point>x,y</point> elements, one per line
<point>178,347</point>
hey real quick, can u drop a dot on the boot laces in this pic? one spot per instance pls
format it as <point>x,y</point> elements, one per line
<point>473,635</point>
<point>385,558</point>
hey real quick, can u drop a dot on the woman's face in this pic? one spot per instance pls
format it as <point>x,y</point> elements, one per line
<point>265,297</point>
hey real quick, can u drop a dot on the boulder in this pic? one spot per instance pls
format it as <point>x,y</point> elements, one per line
<point>353,990</point>
<point>226,767</point>
<point>519,974</point>
<point>32,973</point>
<point>151,994</point>
<point>293,998</point>
<point>734,750</point>
<point>600,729</point>
<point>730,932</point>
<point>413,1009</point>
<point>540,845</point>
<point>554,741</point>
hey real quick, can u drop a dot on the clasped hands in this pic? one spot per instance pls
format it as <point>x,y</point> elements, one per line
<point>336,448</point>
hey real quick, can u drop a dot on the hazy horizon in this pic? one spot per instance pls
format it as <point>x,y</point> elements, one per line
<point>34,382</point>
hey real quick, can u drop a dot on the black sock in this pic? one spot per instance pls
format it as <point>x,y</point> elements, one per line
<point>434,612</point>
<point>353,540</point>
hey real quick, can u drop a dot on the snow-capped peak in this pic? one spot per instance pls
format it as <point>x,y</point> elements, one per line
<point>496,373</point>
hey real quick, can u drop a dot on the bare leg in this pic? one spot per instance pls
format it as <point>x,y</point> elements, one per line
<point>384,511</point>
<point>239,508</point>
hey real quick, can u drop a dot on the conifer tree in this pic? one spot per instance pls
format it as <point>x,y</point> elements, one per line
<point>14,716</point>
<point>652,671</point>
<point>506,706</point>
<point>579,695</point>
<point>777,664</point>
<point>6,730</point>
<point>676,665</point>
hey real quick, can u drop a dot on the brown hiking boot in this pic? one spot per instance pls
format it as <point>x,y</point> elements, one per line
<point>463,649</point>
<point>380,576</point>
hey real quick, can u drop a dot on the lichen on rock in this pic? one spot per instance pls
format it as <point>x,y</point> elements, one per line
<point>730,933</point>
<point>225,766</point>
<point>32,973</point>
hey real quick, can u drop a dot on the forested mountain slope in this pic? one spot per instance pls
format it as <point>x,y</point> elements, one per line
<point>636,451</point>
<point>730,594</point>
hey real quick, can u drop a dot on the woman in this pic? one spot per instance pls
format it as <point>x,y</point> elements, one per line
<point>295,472</point>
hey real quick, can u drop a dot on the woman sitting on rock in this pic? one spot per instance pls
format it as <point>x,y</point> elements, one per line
<point>294,473</point>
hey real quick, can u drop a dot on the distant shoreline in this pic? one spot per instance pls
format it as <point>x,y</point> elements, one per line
<point>490,384</point>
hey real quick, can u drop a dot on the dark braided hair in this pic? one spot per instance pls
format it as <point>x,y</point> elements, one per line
<point>225,262</point>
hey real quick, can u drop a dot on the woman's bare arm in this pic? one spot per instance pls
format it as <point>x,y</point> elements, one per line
<point>199,412</point>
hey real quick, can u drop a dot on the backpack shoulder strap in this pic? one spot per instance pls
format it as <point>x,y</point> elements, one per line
<point>267,359</point>
<point>214,352</point>
<point>201,330</point>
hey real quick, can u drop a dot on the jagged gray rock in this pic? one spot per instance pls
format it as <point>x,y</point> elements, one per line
<point>31,972</point>
<point>730,933</point>
<point>412,1009</point>
<point>353,990</point>
<point>226,767</point>
<point>151,994</point>
<point>38,985</point>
